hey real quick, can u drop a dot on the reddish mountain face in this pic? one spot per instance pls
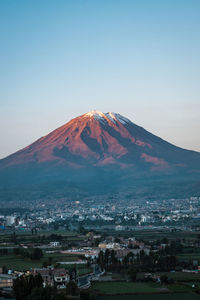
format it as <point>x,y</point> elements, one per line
<point>99,153</point>
<point>101,140</point>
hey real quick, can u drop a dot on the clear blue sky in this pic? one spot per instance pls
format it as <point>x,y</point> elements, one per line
<point>60,59</point>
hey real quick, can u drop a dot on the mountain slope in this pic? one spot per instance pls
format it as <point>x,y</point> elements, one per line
<point>95,149</point>
<point>99,139</point>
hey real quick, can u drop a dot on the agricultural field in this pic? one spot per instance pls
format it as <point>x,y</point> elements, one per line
<point>42,237</point>
<point>148,235</point>
<point>180,296</point>
<point>84,270</point>
<point>176,276</point>
<point>145,290</point>
<point>60,257</point>
<point>182,276</point>
<point>13,262</point>
<point>152,234</point>
<point>18,263</point>
<point>58,232</point>
<point>188,256</point>
<point>124,287</point>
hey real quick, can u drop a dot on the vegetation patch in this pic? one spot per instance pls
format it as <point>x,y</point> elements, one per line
<point>125,287</point>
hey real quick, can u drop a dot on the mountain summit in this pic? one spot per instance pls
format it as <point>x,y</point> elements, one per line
<point>101,152</point>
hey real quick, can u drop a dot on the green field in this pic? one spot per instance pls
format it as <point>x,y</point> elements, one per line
<point>124,287</point>
<point>181,276</point>
<point>84,271</point>
<point>111,288</point>
<point>176,276</point>
<point>146,235</point>
<point>157,234</point>
<point>61,257</point>
<point>181,296</point>
<point>160,234</point>
<point>188,256</point>
<point>18,263</point>
<point>59,232</point>
<point>40,237</point>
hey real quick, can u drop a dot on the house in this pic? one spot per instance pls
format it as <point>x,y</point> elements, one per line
<point>54,244</point>
<point>61,278</point>
<point>6,281</point>
<point>53,277</point>
<point>109,246</point>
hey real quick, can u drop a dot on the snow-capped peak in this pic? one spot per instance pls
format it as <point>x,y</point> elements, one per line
<point>98,115</point>
<point>111,116</point>
<point>122,119</point>
<point>117,117</point>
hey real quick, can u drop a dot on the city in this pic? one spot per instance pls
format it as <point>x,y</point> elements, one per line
<point>89,244</point>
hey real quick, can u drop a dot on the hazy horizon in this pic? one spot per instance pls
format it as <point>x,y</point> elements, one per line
<point>62,59</point>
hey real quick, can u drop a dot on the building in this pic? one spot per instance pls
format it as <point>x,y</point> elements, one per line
<point>110,246</point>
<point>54,244</point>
<point>10,220</point>
<point>60,277</point>
<point>6,281</point>
<point>53,277</point>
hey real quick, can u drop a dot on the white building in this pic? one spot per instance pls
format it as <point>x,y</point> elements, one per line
<point>54,244</point>
<point>10,220</point>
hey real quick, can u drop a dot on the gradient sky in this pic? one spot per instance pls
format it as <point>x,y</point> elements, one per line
<point>60,59</point>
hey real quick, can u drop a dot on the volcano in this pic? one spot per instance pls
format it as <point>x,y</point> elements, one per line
<point>98,143</point>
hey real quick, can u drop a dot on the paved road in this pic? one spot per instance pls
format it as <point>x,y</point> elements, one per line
<point>84,281</point>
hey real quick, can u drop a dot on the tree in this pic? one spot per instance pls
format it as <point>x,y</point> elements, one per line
<point>163,279</point>
<point>13,238</point>
<point>165,241</point>
<point>136,247</point>
<point>106,257</point>
<point>56,226</point>
<point>50,260</point>
<point>100,260</point>
<point>38,281</point>
<point>129,257</point>
<point>71,288</point>
<point>45,264</point>
<point>37,253</point>
<point>23,285</point>
<point>132,273</point>
<point>16,251</point>
<point>47,293</point>
<point>59,297</point>
<point>84,295</point>
<point>4,270</point>
<point>117,240</point>
<point>113,257</point>
<point>40,293</point>
<point>82,230</point>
